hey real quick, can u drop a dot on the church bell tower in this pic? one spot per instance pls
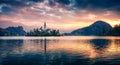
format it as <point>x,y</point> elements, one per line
<point>44,25</point>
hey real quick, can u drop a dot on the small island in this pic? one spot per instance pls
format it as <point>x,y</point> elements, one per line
<point>43,32</point>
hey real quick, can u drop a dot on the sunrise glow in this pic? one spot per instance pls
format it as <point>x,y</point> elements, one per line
<point>58,15</point>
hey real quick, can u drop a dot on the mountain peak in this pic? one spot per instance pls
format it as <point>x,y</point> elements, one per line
<point>98,28</point>
<point>100,22</point>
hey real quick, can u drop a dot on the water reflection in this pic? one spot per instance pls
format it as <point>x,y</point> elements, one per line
<point>7,46</point>
<point>100,43</point>
<point>60,51</point>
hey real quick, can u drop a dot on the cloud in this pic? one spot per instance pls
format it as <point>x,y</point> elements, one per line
<point>65,2</point>
<point>36,0</point>
<point>7,5</point>
<point>101,5</point>
<point>19,3</point>
<point>60,14</point>
<point>98,4</point>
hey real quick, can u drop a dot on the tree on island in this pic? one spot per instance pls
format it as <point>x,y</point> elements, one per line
<point>43,32</point>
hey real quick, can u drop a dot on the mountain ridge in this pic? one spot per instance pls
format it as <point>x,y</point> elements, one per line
<point>98,28</point>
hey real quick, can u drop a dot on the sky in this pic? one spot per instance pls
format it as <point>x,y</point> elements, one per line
<point>65,15</point>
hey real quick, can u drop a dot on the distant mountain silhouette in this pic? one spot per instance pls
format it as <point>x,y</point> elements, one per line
<point>99,28</point>
<point>12,31</point>
<point>5,24</point>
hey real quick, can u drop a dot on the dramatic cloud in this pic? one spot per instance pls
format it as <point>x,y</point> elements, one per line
<point>65,15</point>
<point>79,4</point>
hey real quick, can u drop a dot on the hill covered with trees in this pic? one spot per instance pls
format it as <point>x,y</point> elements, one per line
<point>12,31</point>
<point>98,28</point>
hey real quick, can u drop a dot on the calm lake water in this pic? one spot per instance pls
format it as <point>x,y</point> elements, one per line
<point>65,50</point>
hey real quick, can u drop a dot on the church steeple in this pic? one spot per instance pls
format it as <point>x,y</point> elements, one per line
<point>44,25</point>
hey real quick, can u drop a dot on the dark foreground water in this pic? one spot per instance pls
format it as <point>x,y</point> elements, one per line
<point>71,50</point>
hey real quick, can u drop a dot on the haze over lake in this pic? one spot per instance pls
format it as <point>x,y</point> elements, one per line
<point>64,50</point>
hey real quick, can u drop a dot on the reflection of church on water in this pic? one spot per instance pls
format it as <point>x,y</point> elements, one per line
<point>44,38</point>
<point>45,45</point>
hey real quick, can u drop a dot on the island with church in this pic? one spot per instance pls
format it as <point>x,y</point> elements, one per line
<point>43,31</point>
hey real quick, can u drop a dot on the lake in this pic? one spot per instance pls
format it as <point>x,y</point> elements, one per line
<point>64,50</point>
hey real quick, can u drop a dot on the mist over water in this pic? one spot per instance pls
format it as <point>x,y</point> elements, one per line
<point>66,50</point>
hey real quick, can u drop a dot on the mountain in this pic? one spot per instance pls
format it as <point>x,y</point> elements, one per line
<point>5,24</point>
<point>12,31</point>
<point>99,28</point>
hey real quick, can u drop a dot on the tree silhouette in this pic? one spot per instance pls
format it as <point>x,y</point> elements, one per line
<point>115,31</point>
<point>41,32</point>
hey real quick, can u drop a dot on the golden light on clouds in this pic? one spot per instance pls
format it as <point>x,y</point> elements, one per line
<point>58,17</point>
